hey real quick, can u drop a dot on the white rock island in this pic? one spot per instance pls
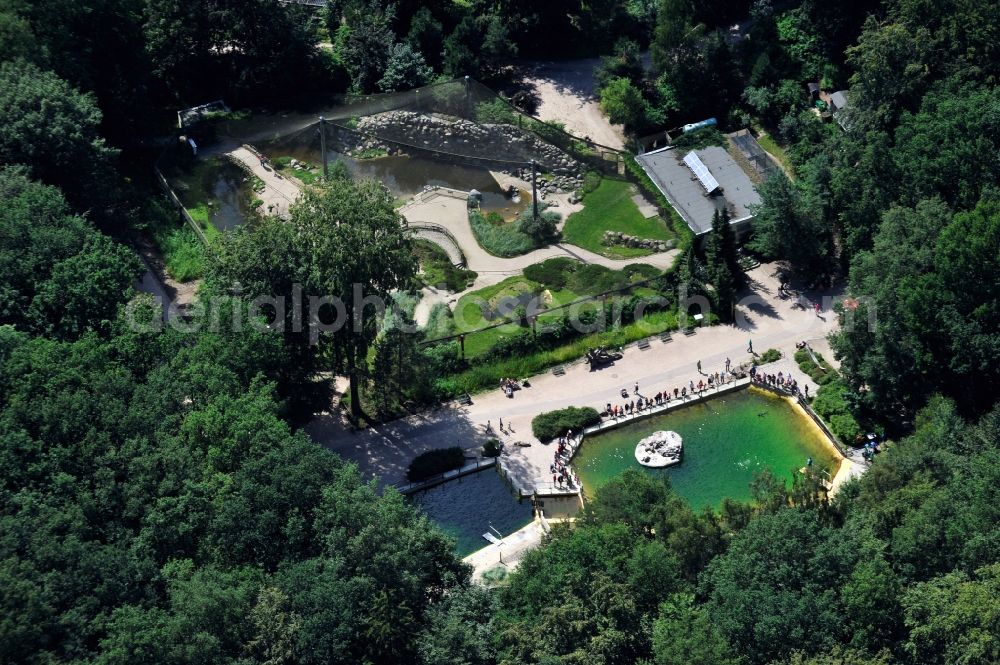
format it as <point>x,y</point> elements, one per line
<point>660,449</point>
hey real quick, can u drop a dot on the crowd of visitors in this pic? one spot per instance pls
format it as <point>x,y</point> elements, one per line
<point>663,397</point>
<point>562,475</point>
<point>780,381</point>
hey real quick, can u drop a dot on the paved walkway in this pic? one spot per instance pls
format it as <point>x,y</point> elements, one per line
<point>447,208</point>
<point>508,552</point>
<point>279,192</point>
<point>385,451</point>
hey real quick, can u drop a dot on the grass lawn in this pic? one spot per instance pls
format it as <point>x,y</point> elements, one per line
<point>183,252</point>
<point>560,281</point>
<point>437,270</point>
<point>610,208</point>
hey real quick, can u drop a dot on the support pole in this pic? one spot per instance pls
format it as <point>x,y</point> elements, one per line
<point>322,147</point>
<point>468,109</point>
<point>534,189</point>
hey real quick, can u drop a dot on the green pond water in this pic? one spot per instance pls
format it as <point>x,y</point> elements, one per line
<point>726,441</point>
<point>465,509</point>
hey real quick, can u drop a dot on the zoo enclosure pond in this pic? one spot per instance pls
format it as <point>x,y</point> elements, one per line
<point>727,440</point>
<point>407,175</point>
<point>466,507</point>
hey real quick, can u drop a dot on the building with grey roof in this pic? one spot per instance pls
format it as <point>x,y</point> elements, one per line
<point>838,104</point>
<point>685,177</point>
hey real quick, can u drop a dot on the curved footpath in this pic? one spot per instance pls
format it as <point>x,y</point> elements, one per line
<point>448,209</point>
<point>384,452</point>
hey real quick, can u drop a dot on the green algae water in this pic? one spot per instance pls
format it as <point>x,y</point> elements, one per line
<point>465,508</point>
<point>726,441</point>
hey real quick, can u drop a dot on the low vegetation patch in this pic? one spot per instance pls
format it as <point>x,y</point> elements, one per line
<point>305,172</point>
<point>437,270</point>
<point>700,139</point>
<point>508,239</point>
<point>547,426</point>
<point>183,253</point>
<point>770,356</point>
<point>609,207</point>
<point>429,464</point>
<point>586,279</point>
<point>830,401</point>
<point>182,250</point>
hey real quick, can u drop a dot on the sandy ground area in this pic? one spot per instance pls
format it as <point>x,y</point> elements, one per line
<point>567,94</point>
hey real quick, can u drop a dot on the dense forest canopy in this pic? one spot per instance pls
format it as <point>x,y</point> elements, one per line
<point>158,503</point>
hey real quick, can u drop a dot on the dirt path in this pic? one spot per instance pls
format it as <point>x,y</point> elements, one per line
<point>567,94</point>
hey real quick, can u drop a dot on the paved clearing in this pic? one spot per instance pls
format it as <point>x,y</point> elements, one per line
<point>385,451</point>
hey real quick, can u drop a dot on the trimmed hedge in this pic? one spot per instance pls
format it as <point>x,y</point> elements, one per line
<point>547,426</point>
<point>433,462</point>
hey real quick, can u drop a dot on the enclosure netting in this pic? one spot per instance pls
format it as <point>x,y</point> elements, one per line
<point>460,121</point>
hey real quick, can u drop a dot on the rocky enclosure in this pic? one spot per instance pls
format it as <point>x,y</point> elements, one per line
<point>473,140</point>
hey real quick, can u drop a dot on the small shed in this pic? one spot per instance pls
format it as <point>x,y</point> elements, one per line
<point>838,101</point>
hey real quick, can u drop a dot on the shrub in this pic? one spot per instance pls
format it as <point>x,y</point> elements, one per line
<point>491,448</point>
<point>547,426</point>
<point>433,462</point>
<point>832,407</point>
<point>845,427</point>
<point>544,230</point>
<point>591,181</point>
<point>552,273</point>
<point>499,240</point>
<point>495,112</point>
<point>770,356</point>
